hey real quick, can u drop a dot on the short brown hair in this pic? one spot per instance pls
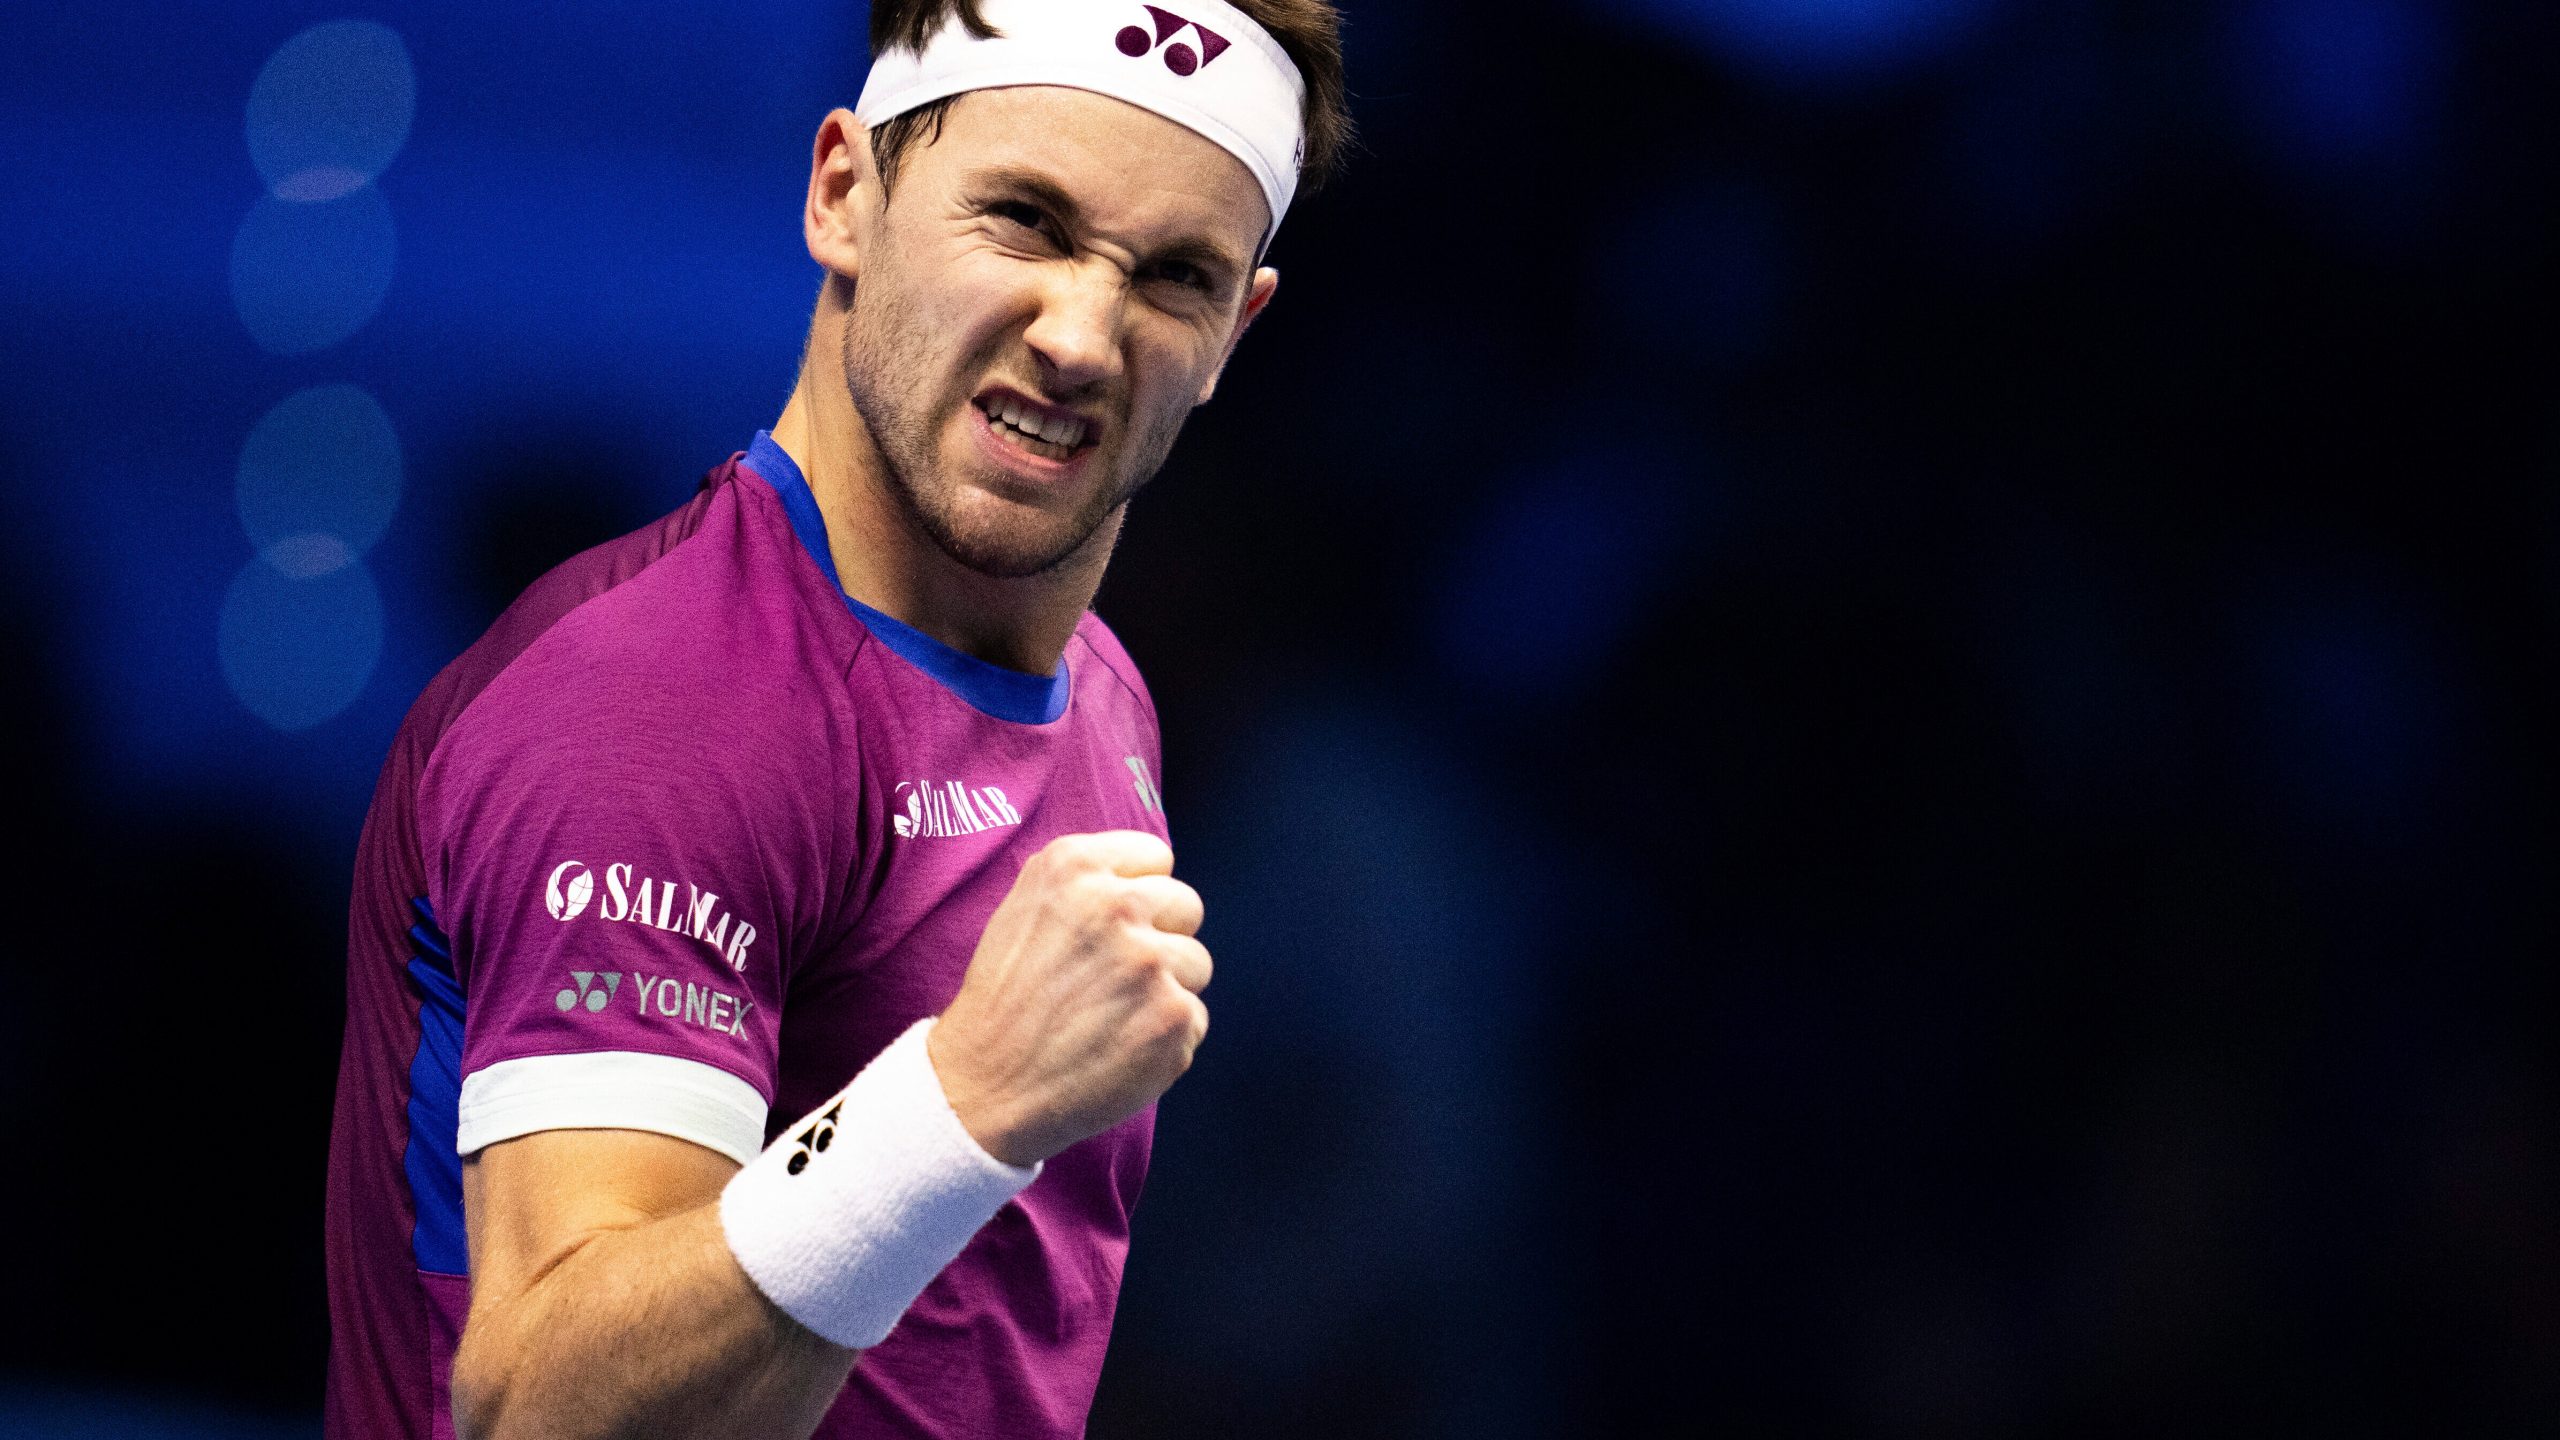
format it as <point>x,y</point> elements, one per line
<point>1309,32</point>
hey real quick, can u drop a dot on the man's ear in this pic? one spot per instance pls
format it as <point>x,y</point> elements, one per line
<point>843,187</point>
<point>1266,283</point>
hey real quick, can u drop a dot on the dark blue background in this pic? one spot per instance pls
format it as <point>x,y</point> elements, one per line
<point>1863,689</point>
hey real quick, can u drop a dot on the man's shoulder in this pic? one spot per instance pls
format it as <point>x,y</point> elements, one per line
<point>1105,647</point>
<point>685,634</point>
<point>562,591</point>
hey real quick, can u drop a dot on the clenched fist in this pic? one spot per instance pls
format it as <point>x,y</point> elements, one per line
<point>1082,1002</point>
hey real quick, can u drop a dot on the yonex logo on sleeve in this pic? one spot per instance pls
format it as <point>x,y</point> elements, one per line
<point>590,994</point>
<point>665,998</point>
<point>659,999</point>
<point>1179,58</point>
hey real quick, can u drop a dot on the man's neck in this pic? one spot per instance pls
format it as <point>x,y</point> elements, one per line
<point>885,561</point>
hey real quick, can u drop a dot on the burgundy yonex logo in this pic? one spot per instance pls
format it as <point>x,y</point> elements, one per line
<point>1181,59</point>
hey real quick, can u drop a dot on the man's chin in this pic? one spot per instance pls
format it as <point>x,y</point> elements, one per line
<point>999,561</point>
<point>1005,529</point>
<point>1014,547</point>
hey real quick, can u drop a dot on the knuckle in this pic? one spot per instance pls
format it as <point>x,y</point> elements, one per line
<point>1189,1029</point>
<point>1068,853</point>
<point>1040,870</point>
<point>1125,905</point>
<point>1090,893</point>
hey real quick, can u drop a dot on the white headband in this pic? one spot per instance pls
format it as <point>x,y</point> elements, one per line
<point>1201,65</point>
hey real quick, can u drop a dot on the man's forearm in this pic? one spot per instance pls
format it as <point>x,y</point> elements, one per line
<point>647,1330</point>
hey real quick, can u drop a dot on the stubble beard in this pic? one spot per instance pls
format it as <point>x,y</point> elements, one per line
<point>886,356</point>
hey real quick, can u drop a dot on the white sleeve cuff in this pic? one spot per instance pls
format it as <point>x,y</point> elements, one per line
<point>612,1090</point>
<point>859,1204</point>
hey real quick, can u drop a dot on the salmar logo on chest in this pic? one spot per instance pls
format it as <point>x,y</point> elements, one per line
<point>695,913</point>
<point>935,808</point>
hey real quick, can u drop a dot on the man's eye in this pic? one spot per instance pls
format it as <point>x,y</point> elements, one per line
<point>1184,274</point>
<point>1020,212</point>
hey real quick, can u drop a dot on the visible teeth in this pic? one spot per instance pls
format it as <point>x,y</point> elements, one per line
<point>1015,426</point>
<point>1064,431</point>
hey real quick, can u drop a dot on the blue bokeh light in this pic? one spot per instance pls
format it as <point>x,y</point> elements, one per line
<point>325,461</point>
<point>298,647</point>
<point>1539,595</point>
<point>306,276</point>
<point>2341,85</point>
<point>330,109</point>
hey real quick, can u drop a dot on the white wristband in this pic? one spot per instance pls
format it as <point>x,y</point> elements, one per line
<point>846,1218</point>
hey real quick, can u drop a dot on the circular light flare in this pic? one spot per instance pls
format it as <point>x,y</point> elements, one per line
<point>324,461</point>
<point>297,649</point>
<point>306,276</point>
<point>301,631</point>
<point>330,109</point>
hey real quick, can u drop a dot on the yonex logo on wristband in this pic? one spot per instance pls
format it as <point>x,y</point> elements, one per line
<point>815,1140</point>
<point>844,1248</point>
<point>1181,59</point>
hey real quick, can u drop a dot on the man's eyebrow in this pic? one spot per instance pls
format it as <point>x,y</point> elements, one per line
<point>1033,186</point>
<point>1220,262</point>
<point>1040,190</point>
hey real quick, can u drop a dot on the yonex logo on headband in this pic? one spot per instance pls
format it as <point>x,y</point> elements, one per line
<point>1251,105</point>
<point>1180,59</point>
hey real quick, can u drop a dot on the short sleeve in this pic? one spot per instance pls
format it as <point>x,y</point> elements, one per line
<point>621,856</point>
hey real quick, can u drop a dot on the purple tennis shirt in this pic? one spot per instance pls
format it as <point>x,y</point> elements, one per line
<point>679,845</point>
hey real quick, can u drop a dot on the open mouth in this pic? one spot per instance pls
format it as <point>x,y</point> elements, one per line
<point>1036,429</point>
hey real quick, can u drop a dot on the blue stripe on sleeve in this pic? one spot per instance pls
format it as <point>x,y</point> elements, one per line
<point>432,1164</point>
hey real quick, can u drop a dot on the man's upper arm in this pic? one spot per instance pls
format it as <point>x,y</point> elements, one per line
<point>529,1201</point>
<point>623,857</point>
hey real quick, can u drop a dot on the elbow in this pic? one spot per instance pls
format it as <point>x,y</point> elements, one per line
<point>479,1393</point>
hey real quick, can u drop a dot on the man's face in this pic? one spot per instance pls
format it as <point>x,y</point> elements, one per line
<point>1052,286</point>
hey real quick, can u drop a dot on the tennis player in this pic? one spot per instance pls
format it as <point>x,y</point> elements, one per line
<point>766,954</point>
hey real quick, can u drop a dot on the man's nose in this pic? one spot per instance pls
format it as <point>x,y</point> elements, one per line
<point>1077,332</point>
